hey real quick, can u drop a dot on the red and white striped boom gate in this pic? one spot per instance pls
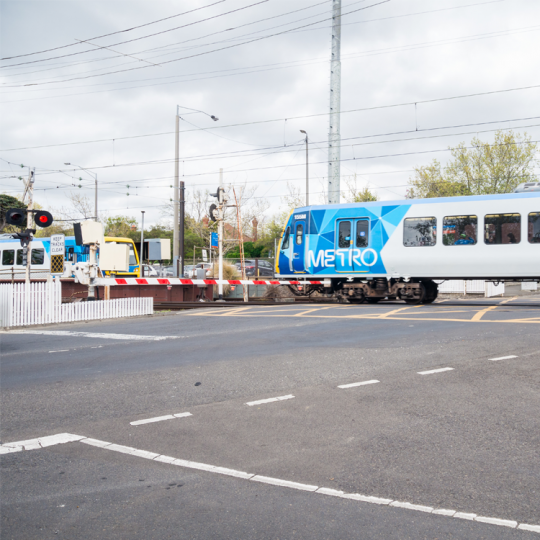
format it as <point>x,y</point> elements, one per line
<point>180,281</point>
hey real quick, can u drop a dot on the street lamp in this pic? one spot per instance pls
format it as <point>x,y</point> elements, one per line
<point>178,206</point>
<point>94,175</point>
<point>307,168</point>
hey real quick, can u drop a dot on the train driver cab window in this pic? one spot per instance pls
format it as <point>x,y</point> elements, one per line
<point>132,258</point>
<point>8,257</point>
<point>286,237</point>
<point>362,233</point>
<point>460,230</point>
<point>299,234</point>
<point>502,229</point>
<point>534,227</point>
<point>344,234</point>
<point>419,232</point>
<point>37,257</point>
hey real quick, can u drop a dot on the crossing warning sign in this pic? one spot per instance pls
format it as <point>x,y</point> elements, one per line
<point>58,243</point>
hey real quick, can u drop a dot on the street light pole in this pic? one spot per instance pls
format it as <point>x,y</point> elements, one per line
<point>179,223</point>
<point>94,175</point>
<point>307,167</point>
<point>141,258</point>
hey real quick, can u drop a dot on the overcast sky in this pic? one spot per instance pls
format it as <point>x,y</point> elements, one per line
<point>224,58</point>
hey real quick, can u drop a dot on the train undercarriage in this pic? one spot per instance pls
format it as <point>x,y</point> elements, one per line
<point>420,291</point>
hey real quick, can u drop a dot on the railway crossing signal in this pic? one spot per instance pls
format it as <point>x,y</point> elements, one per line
<point>43,218</point>
<point>16,216</point>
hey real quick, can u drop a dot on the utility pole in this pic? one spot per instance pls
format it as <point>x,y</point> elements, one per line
<point>142,246</point>
<point>307,167</point>
<point>181,231</point>
<point>176,243</point>
<point>334,136</point>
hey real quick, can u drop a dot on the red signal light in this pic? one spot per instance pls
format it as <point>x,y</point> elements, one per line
<point>43,219</point>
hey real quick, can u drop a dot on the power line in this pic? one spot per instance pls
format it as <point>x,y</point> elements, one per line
<point>201,53</point>
<point>113,33</point>
<point>409,103</point>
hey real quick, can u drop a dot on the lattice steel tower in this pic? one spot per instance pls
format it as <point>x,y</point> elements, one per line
<point>334,136</point>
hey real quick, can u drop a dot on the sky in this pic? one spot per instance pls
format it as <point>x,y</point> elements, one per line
<point>97,85</point>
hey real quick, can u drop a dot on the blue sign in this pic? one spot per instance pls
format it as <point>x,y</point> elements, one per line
<point>214,240</point>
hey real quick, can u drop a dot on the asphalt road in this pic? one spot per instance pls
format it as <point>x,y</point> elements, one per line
<point>463,437</point>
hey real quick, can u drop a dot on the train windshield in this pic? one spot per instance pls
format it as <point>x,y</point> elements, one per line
<point>132,258</point>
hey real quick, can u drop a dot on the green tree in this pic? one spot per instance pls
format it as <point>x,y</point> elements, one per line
<point>7,202</point>
<point>482,169</point>
<point>121,227</point>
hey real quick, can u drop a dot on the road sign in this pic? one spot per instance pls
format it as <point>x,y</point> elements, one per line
<point>58,245</point>
<point>214,240</point>
<point>205,255</point>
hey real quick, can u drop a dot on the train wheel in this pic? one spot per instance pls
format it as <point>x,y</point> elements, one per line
<point>432,292</point>
<point>421,299</point>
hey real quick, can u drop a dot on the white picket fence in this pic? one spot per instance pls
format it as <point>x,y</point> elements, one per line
<point>477,286</point>
<point>41,303</point>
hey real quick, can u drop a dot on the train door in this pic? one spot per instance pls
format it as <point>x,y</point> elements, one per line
<point>344,245</point>
<point>299,243</point>
<point>363,258</point>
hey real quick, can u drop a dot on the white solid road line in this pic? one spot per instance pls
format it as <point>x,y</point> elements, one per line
<point>269,400</point>
<point>41,442</point>
<point>130,337</point>
<point>352,385</point>
<point>440,370</point>
<point>68,437</point>
<point>503,358</point>
<point>160,418</point>
<point>61,350</point>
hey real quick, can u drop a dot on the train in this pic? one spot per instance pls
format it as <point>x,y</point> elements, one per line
<point>40,261</point>
<point>365,252</point>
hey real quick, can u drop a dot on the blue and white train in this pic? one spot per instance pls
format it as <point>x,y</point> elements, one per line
<point>370,251</point>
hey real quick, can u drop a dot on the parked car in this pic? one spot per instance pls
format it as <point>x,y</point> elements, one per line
<point>150,271</point>
<point>264,268</point>
<point>187,270</point>
<point>167,271</point>
<point>206,266</point>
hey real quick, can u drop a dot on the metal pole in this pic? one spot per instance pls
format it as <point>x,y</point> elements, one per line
<point>95,202</point>
<point>29,224</point>
<point>142,246</point>
<point>220,236</point>
<point>334,137</point>
<point>181,231</point>
<point>176,243</point>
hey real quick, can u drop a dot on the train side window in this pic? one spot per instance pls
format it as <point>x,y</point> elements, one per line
<point>362,233</point>
<point>19,257</point>
<point>37,257</point>
<point>419,231</point>
<point>460,230</point>
<point>344,234</point>
<point>286,237</point>
<point>299,234</point>
<point>502,229</point>
<point>8,257</point>
<point>534,227</point>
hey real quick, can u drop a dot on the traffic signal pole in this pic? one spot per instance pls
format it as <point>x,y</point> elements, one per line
<point>220,235</point>
<point>29,189</point>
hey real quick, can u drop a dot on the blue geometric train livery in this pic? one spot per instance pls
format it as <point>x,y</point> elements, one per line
<point>404,246</point>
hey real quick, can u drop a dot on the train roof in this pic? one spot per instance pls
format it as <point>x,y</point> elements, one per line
<point>435,200</point>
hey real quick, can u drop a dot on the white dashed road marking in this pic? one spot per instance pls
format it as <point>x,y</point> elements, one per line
<point>352,385</point>
<point>68,437</point>
<point>269,400</point>
<point>130,337</point>
<point>160,418</point>
<point>431,371</point>
<point>503,358</point>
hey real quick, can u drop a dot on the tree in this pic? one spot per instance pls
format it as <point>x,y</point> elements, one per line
<point>480,170</point>
<point>353,194</point>
<point>7,202</point>
<point>121,227</point>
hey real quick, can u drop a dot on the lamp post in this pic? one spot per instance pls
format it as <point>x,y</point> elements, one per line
<point>307,168</point>
<point>177,252</point>
<point>142,246</point>
<point>94,175</point>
